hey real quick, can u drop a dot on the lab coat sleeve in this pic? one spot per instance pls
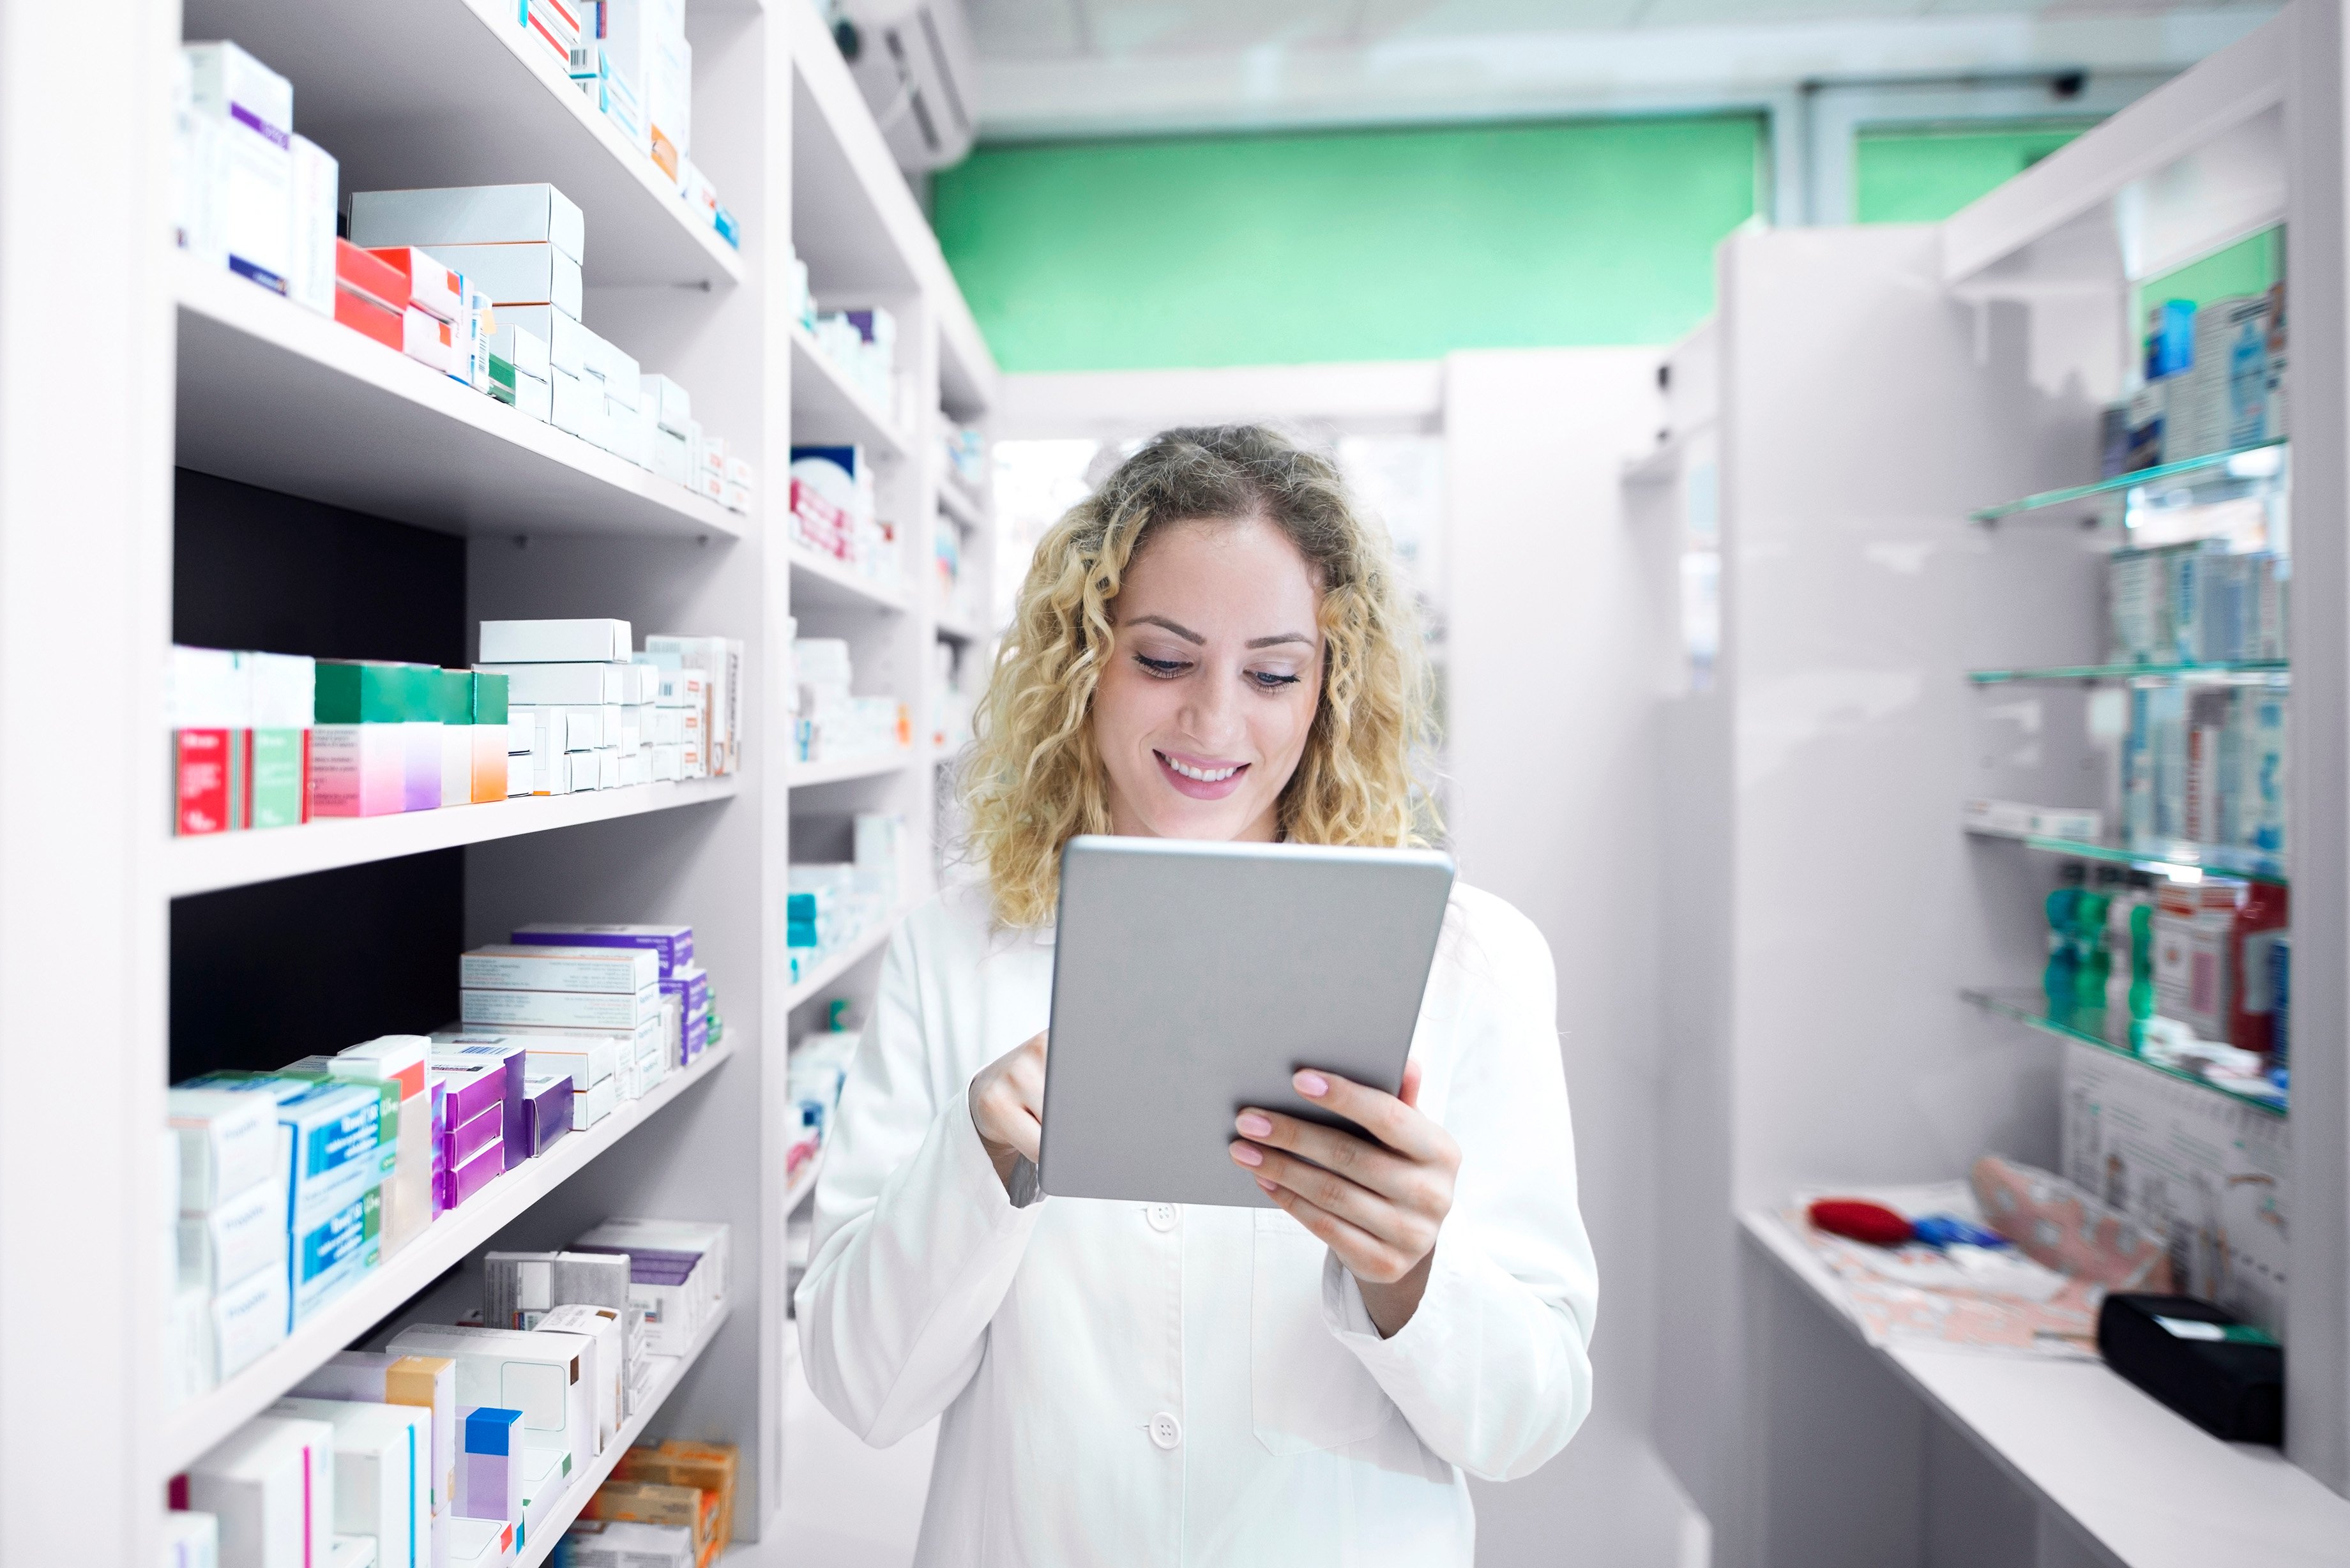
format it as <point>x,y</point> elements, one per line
<point>1493,1369</point>
<point>916,1242</point>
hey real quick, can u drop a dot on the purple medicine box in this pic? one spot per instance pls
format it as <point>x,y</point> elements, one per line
<point>673,943</point>
<point>548,1105</point>
<point>458,1050</point>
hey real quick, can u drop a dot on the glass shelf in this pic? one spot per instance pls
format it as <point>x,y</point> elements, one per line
<point>2178,860</point>
<point>2228,672</point>
<point>2244,467</point>
<point>2030,1008</point>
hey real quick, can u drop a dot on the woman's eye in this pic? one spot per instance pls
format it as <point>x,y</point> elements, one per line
<point>1271,682</point>
<point>1159,666</point>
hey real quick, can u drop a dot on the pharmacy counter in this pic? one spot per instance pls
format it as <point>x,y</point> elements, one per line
<point>2148,1488</point>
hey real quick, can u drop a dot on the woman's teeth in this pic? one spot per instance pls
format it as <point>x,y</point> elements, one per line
<point>1204,775</point>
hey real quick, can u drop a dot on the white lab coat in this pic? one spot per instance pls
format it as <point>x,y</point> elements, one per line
<point>1159,1385</point>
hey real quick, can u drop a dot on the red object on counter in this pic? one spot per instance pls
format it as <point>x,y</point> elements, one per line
<point>1860,1220</point>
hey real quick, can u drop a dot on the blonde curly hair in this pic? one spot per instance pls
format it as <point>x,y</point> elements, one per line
<point>1034,778</point>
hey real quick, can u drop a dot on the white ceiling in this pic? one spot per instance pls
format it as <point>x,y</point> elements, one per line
<point>1058,67</point>
<point>1071,29</point>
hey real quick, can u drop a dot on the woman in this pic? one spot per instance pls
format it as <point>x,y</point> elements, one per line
<point>1213,646</point>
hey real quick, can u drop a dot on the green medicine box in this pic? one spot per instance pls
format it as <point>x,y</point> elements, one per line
<point>489,697</point>
<point>369,691</point>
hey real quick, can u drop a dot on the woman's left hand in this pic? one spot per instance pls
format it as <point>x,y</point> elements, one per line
<point>1378,1205</point>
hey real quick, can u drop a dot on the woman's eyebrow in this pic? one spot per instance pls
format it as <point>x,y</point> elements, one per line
<point>1279,637</point>
<point>1185,632</point>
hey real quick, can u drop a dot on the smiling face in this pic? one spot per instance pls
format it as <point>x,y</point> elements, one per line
<point>1203,711</point>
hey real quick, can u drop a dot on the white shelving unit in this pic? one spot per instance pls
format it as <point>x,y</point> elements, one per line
<point>1876,387</point>
<point>269,393</point>
<point>2141,1483</point>
<point>206,375</point>
<point>448,1242</point>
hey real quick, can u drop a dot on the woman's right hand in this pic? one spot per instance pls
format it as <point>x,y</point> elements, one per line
<point>1007,1106</point>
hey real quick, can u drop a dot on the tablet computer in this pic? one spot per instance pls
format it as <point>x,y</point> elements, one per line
<point>1192,978</point>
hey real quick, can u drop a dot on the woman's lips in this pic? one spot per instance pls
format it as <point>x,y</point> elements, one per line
<point>1199,777</point>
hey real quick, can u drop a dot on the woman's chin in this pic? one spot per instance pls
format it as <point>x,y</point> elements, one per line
<point>1176,816</point>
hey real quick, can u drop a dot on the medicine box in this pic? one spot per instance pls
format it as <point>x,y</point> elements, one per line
<point>518,275</point>
<point>525,350</point>
<point>428,283</point>
<point>228,1145</point>
<point>592,1105</point>
<point>423,1382</point>
<point>471,215</point>
<point>235,1241</point>
<point>583,641</point>
<point>310,231</point>
<point>536,1373</point>
<point>576,405</point>
<point>672,408</point>
<point>247,1321</point>
<point>528,967</point>
<point>358,310</point>
<point>477,1543</point>
<point>267,1483</point>
<point>251,187</point>
<point>557,685</point>
<point>519,1288</point>
<point>462,1182</point>
<point>566,339</point>
<point>545,1476</point>
<point>559,1008</point>
<point>628,1543</point>
<point>383,1465</point>
<point>472,1088</point>
<point>488,1463</point>
<point>607,1325</point>
<point>547,1105</point>
<point>510,1060</point>
<point>191,1539</point>
<point>331,1250</point>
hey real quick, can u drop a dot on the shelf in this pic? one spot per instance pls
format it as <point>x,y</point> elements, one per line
<point>855,221</point>
<point>2179,860</point>
<point>800,776</point>
<point>1661,466</point>
<point>274,395</point>
<point>803,1186</point>
<point>2150,1487</point>
<point>193,1429</point>
<point>582,1487</point>
<point>841,960</point>
<point>2030,1008</point>
<point>2220,466</point>
<point>2196,163</point>
<point>239,860</point>
<point>828,410</point>
<point>828,583</point>
<point>2228,672</point>
<point>455,92</point>
<point>963,509</point>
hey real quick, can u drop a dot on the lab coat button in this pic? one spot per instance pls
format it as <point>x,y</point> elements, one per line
<point>1163,1216</point>
<point>1166,1430</point>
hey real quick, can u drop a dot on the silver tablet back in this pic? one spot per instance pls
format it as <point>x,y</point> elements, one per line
<point>1192,978</point>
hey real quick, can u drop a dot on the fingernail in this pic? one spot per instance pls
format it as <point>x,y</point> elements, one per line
<point>1248,1154</point>
<point>1314,1085</point>
<point>1255,1125</point>
<point>1268,1186</point>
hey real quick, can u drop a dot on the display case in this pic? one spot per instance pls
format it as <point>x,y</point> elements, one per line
<point>1935,728</point>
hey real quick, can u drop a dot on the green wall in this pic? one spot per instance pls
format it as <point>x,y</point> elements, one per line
<point>1923,173</point>
<point>1339,245</point>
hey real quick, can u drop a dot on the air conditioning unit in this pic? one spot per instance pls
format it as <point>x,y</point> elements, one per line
<point>914,62</point>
